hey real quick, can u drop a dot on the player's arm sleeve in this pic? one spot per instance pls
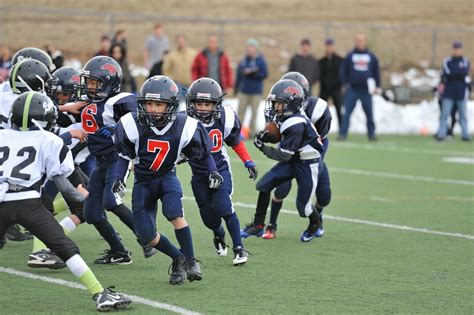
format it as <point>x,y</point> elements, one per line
<point>59,160</point>
<point>124,145</point>
<point>127,105</point>
<point>66,188</point>
<point>64,119</point>
<point>199,148</point>
<point>276,154</point>
<point>376,70</point>
<point>292,137</point>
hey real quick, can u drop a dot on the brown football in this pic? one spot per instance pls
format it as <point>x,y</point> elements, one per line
<point>273,135</point>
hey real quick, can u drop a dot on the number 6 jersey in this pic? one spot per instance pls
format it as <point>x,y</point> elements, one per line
<point>27,156</point>
<point>156,151</point>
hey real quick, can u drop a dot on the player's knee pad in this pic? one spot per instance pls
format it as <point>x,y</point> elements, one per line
<point>210,219</point>
<point>263,185</point>
<point>282,190</point>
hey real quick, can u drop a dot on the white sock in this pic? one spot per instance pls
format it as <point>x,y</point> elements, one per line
<point>68,225</point>
<point>77,265</point>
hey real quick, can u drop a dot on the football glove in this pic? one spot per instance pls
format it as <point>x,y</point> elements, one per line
<point>215,180</point>
<point>119,187</point>
<point>258,140</point>
<point>252,168</point>
<point>107,131</point>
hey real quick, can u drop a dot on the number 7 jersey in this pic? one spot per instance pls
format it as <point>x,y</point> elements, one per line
<point>27,156</point>
<point>156,151</point>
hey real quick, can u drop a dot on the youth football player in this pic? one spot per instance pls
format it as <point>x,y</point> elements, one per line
<point>28,152</point>
<point>204,102</point>
<point>154,140</point>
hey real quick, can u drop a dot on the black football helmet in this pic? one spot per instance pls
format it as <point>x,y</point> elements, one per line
<point>67,81</point>
<point>288,92</point>
<point>161,89</point>
<point>31,75</point>
<point>300,79</point>
<point>109,74</point>
<point>204,90</point>
<point>36,54</point>
<point>33,111</point>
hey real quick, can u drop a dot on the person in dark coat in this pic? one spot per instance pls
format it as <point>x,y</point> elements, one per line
<point>305,63</point>
<point>331,86</point>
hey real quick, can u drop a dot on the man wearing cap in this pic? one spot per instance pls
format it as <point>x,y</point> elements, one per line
<point>361,76</point>
<point>305,63</point>
<point>251,72</point>
<point>455,85</point>
<point>331,86</point>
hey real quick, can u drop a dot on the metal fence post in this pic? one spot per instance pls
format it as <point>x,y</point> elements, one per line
<point>434,43</point>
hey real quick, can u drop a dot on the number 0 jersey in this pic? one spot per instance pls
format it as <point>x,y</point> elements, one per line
<point>106,113</point>
<point>26,157</point>
<point>155,152</point>
<point>225,130</point>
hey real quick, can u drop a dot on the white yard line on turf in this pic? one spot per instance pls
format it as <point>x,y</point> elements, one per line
<point>395,148</point>
<point>373,223</point>
<point>386,175</point>
<point>75,285</point>
<point>402,176</point>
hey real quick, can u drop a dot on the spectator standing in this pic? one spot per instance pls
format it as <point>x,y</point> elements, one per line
<point>156,47</point>
<point>105,44</point>
<point>177,63</point>
<point>120,37</point>
<point>331,86</point>
<point>56,56</point>
<point>306,63</point>
<point>118,52</point>
<point>213,62</point>
<point>251,72</point>
<point>361,76</point>
<point>456,85</point>
<point>5,62</point>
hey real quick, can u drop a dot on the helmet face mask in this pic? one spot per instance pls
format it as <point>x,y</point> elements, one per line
<point>157,102</point>
<point>204,110</point>
<point>204,100</point>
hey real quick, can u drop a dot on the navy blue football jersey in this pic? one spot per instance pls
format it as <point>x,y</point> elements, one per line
<point>103,114</point>
<point>154,151</point>
<point>300,138</point>
<point>318,112</point>
<point>225,130</point>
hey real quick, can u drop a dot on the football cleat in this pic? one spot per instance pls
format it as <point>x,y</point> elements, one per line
<point>252,230</point>
<point>14,234</point>
<point>270,232</point>
<point>110,300</point>
<point>240,256</point>
<point>45,258</point>
<point>320,231</point>
<point>177,270</point>
<point>309,233</point>
<point>193,270</point>
<point>220,246</point>
<point>117,258</point>
<point>148,250</point>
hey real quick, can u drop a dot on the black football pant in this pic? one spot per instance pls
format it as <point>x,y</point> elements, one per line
<point>31,214</point>
<point>336,97</point>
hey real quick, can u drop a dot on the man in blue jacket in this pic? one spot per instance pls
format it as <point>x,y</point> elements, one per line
<point>360,75</point>
<point>251,72</point>
<point>456,81</point>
